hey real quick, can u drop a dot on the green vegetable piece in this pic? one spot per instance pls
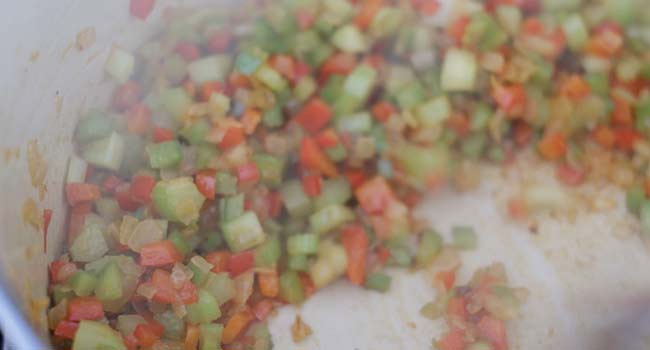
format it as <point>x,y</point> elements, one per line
<point>429,247</point>
<point>205,310</point>
<point>510,18</point>
<point>411,95</point>
<point>273,117</point>
<point>226,184</point>
<point>644,214</point>
<point>231,207</point>
<point>105,153</point>
<point>576,31</point>
<point>109,285</point>
<point>303,244</point>
<point>165,154</point>
<point>271,78</point>
<point>337,153</point>
<point>420,162</point>
<point>62,291</point>
<point>333,89</point>
<point>378,281</point>
<point>481,116</point>
<point>484,32</point>
<point>622,11</point>
<point>178,200</point>
<point>174,325</point>
<point>329,218</point>
<point>291,288</point>
<point>598,82</point>
<point>305,88</point>
<point>434,112</point>
<point>298,263</point>
<point>83,283</point>
<point>358,123</point>
<point>642,112</point>
<point>205,154</point>
<point>93,126</point>
<point>175,101</point>
<point>209,68</point>
<point>120,65</point>
<point>480,345</point>
<point>92,335</point>
<point>244,232</point>
<point>195,133</point>
<point>249,60</point>
<point>385,22</point>
<point>634,197</point>
<point>350,39</point>
<point>90,244</point>
<point>464,237</point>
<point>213,240</point>
<point>298,204</point>
<point>459,71</point>
<point>335,191</point>
<point>474,145</point>
<point>271,169</point>
<point>268,253</point>
<point>400,256</point>
<point>210,338</point>
<point>220,286</point>
<point>360,82</point>
<point>180,242</point>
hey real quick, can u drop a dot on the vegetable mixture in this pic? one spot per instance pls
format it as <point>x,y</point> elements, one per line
<point>251,157</point>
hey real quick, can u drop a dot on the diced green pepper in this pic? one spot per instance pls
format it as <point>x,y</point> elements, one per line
<point>93,126</point>
<point>291,288</point>
<point>429,247</point>
<point>83,283</point>
<point>109,285</point>
<point>358,123</point>
<point>195,133</point>
<point>178,200</point>
<point>244,232</point>
<point>180,242</point>
<point>335,191</point>
<point>411,95</point>
<point>210,338</point>
<point>634,197</point>
<point>459,71</point>
<point>329,218</point>
<point>165,154</point>
<point>205,310</point>
<point>378,281</point>
<point>105,153</point>
<point>220,286</point>
<point>303,244</point>
<point>92,335</point>
<point>273,117</point>
<point>349,39</point>
<point>209,68</point>
<point>434,112</point>
<point>249,60</point>
<point>298,204</point>
<point>298,262</point>
<point>271,168</point>
<point>175,101</point>
<point>268,253</point>
<point>464,237</point>
<point>174,325</point>
<point>231,207</point>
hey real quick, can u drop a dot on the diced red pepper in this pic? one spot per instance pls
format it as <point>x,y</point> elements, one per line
<point>138,118</point>
<point>604,135</point>
<point>189,51</point>
<point>383,254</point>
<point>241,262</point>
<point>494,331</point>
<point>367,13</point>
<point>311,184</point>
<point>575,87</point>
<point>339,63</point>
<point>157,254</point>
<point>219,260</point>
<point>47,217</point>
<point>127,95</point>
<point>81,192</point>
<point>626,138</point>
<point>459,123</point>
<point>269,283</point>
<point>284,64</point>
<point>327,138</point>
<point>238,80</point>
<point>60,271</point>
<point>308,286</point>
<point>517,208</point>
<point>76,220</point>
<point>66,329</point>
<point>355,241</point>
<point>233,137</point>
<point>569,175</point>
<point>219,42</point>
<point>457,307</point>
<point>274,200</point>
<point>141,187</point>
<point>375,195</point>
<point>301,69</point>
<point>248,174</point>
<point>162,134</point>
<point>142,8</point>
<point>146,335</point>
<point>314,115</point>
<point>131,342</point>
<point>552,146</point>
<point>85,308</point>
<point>313,158</point>
<point>236,325</point>
<point>382,111</point>
<point>305,18</point>
<point>622,112</point>
<point>523,133</point>
<point>110,183</point>
<point>457,28</point>
<point>511,99</point>
<point>124,199</point>
<point>454,339</point>
<point>356,177</point>
<point>209,88</point>
<point>446,278</point>
<point>206,182</point>
<point>166,293</point>
<point>426,7</point>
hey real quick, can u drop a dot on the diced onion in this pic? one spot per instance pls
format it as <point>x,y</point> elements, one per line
<point>201,263</point>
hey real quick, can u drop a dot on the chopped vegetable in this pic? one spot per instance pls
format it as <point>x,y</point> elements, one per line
<point>178,199</point>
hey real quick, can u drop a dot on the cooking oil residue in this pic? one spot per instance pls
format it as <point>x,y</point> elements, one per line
<point>9,153</point>
<point>31,214</point>
<point>37,168</point>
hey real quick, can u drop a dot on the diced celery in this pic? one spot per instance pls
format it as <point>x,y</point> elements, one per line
<point>105,153</point>
<point>333,88</point>
<point>303,244</point>
<point>90,244</point>
<point>195,133</point>
<point>576,31</point>
<point>331,264</point>
<point>268,253</point>
<point>358,123</point>
<point>484,33</point>
<point>350,39</point>
<point>360,82</point>
<point>473,145</point>
<point>271,169</point>
<point>298,204</point>
<point>334,191</point>
<point>385,22</point>
<point>120,65</point>
<point>231,207</point>
<point>165,154</point>
<point>109,284</point>
<point>642,113</point>
<point>411,95</point>
<point>76,170</point>
<point>622,11</point>
<point>644,215</point>
<point>337,153</point>
<point>226,184</point>
<point>213,240</point>
<point>178,200</point>
<point>330,218</point>
<point>244,232</point>
<point>199,277</point>
<point>210,68</point>
<point>481,116</point>
<point>174,325</point>
<point>598,82</point>
<point>429,247</point>
<point>249,60</point>
<point>298,262</point>
<point>378,281</point>
<point>93,125</point>
<point>271,78</point>
<point>398,79</point>
<point>459,70</point>
<point>291,288</point>
<point>205,310</point>
<point>464,237</point>
<point>210,338</point>
<point>92,335</point>
<point>434,112</point>
<point>400,256</point>
<point>62,292</point>
<point>83,283</point>
<point>273,117</point>
<point>634,197</point>
<point>305,88</point>
<point>628,69</point>
<point>205,155</point>
<point>419,163</point>
<point>220,286</point>
<point>180,242</point>
<point>175,101</point>
<point>509,17</point>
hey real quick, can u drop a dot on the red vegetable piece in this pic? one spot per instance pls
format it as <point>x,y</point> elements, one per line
<point>314,115</point>
<point>494,331</point>
<point>124,199</point>
<point>454,339</point>
<point>311,184</point>
<point>233,137</point>
<point>262,309</point>
<point>66,329</point>
<point>141,187</point>
<point>219,42</point>
<point>47,217</point>
<point>355,241</point>
<point>305,18</point>
<point>569,175</point>
<point>142,8</point>
<point>189,51</point>
<point>219,260</point>
<point>375,195</point>
<point>327,138</point>
<point>76,220</point>
<point>110,183</point>
<point>157,254</point>
<point>162,134</point>
<point>146,335</point>
<point>248,173</point>
<point>85,308</point>
<point>138,118</point>
<point>206,183</point>
<point>60,271</point>
<point>313,158</point>
<point>382,111</point>
<point>81,192</point>
<point>241,262</point>
<point>127,95</point>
